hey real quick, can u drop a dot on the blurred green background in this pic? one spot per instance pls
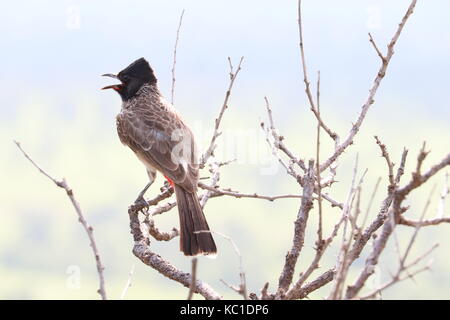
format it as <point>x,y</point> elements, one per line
<point>53,55</point>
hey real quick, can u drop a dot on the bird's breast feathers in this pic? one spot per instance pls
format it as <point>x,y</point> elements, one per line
<point>160,139</point>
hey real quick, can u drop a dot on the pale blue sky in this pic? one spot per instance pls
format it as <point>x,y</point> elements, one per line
<point>51,50</point>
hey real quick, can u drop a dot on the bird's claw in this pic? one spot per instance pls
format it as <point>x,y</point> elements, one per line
<point>140,205</point>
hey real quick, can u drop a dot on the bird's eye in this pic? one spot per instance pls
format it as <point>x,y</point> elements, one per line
<point>125,78</point>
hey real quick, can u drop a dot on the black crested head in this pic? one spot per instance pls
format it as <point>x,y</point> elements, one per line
<point>140,69</point>
<point>133,77</point>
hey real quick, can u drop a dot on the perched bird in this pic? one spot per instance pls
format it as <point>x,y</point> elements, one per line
<point>151,127</point>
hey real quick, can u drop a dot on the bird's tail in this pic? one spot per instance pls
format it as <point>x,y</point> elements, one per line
<point>193,220</point>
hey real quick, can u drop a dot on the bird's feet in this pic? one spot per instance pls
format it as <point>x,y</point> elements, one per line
<point>167,187</point>
<point>139,204</point>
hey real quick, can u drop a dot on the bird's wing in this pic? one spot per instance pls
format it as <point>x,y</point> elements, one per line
<point>168,145</point>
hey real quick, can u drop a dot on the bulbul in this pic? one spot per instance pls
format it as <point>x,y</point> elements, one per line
<point>151,127</point>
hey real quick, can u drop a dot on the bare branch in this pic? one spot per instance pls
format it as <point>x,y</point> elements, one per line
<point>175,57</point>
<point>264,294</point>
<point>344,259</point>
<point>403,267</point>
<point>278,143</point>
<point>158,235</point>
<point>314,109</point>
<point>299,232</point>
<point>193,278</point>
<point>321,247</point>
<point>319,180</point>
<point>165,193</point>
<point>143,252</point>
<point>394,280</point>
<point>128,284</point>
<point>398,196</point>
<point>416,231</point>
<point>333,202</point>
<point>319,282</point>
<point>361,240</point>
<point>372,260</point>
<point>214,192</point>
<point>88,228</point>
<point>444,194</point>
<point>370,99</point>
<point>297,288</point>
<point>376,48</point>
<point>401,168</point>
<point>212,145</point>
<point>418,178</point>
<point>215,177</point>
<point>369,205</point>
<point>242,289</point>
<point>423,223</point>
<point>228,192</point>
<point>390,165</point>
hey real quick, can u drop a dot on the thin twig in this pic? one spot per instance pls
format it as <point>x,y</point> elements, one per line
<point>362,240</point>
<point>376,47</point>
<point>419,179</point>
<point>394,281</point>
<point>214,180</point>
<point>390,165</point>
<point>236,194</point>
<point>212,145</point>
<point>175,57</point>
<point>314,109</point>
<point>369,205</point>
<point>193,278</point>
<point>403,267</point>
<point>319,186</point>
<point>424,223</point>
<point>278,143</point>
<point>343,259</point>
<point>296,291</point>
<point>128,284</point>
<point>89,229</point>
<point>371,98</point>
<point>309,287</point>
<point>242,289</point>
<point>416,231</point>
<point>398,196</point>
<point>444,193</point>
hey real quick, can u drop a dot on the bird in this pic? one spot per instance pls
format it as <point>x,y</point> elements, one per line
<point>154,130</point>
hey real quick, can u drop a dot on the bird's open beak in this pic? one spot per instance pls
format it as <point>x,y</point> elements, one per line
<point>109,75</point>
<point>114,86</point>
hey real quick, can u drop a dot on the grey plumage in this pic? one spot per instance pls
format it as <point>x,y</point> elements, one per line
<point>159,137</point>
